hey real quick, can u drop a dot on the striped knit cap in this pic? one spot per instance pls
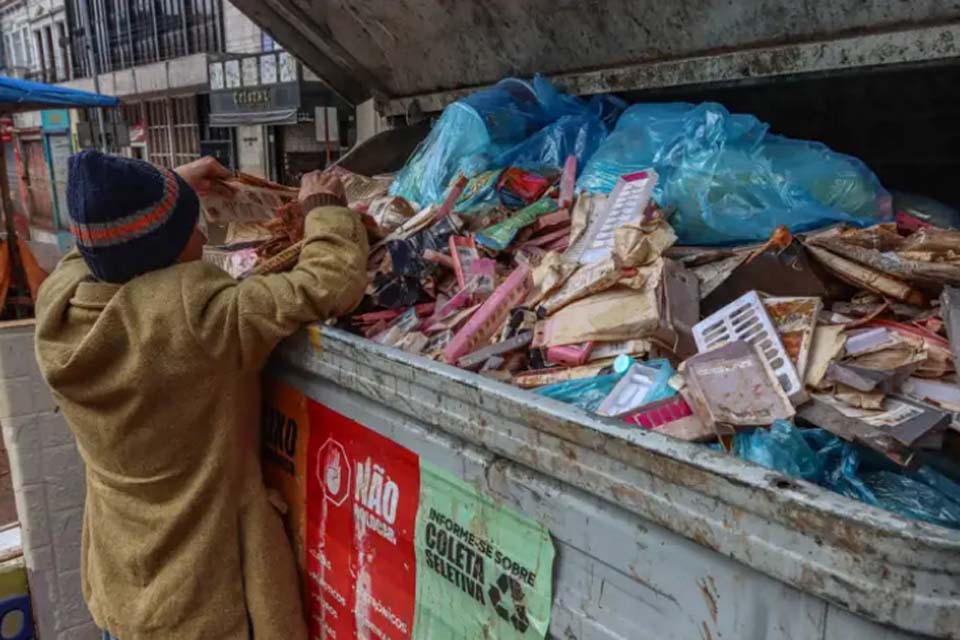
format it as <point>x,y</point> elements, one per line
<point>128,216</point>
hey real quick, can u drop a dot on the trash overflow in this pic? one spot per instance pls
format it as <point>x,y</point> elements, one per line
<point>782,312</point>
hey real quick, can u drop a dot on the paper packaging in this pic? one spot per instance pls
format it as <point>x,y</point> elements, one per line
<point>552,272</point>
<point>679,300</point>
<point>585,281</point>
<point>568,181</point>
<point>626,205</point>
<point>866,278</point>
<point>480,356</point>
<point>795,320</point>
<point>571,355</point>
<point>619,313</point>
<point>890,431</point>
<point>490,316</point>
<point>828,345</point>
<point>735,385</point>
<point>950,310</point>
<point>253,199</point>
<point>483,274</point>
<point>543,377</point>
<point>672,417</point>
<point>603,350</point>
<point>664,310</point>
<point>463,251</point>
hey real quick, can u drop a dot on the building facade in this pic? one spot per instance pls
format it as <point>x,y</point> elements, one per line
<point>195,77</point>
<point>158,56</point>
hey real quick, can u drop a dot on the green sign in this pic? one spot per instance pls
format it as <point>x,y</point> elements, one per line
<point>483,570</point>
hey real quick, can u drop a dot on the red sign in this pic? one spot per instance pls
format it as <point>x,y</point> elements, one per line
<point>360,560</point>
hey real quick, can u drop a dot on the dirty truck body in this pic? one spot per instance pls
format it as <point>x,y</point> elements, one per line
<point>654,538</point>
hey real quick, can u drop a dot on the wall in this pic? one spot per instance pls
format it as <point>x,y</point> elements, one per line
<point>18,46</point>
<point>251,143</point>
<point>48,13</point>
<point>49,487</point>
<point>369,122</point>
<point>243,36</point>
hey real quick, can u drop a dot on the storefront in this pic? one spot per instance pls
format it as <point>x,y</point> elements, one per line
<point>55,127</point>
<point>285,122</point>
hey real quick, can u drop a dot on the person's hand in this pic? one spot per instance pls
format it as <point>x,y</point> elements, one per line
<point>206,176</point>
<point>318,187</point>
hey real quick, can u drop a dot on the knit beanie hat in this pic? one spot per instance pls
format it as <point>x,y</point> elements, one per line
<point>128,216</point>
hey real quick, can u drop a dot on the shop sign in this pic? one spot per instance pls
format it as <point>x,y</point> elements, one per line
<point>55,119</point>
<point>392,546</point>
<point>138,133</point>
<point>249,97</point>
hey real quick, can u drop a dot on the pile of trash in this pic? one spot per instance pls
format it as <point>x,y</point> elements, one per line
<point>681,270</point>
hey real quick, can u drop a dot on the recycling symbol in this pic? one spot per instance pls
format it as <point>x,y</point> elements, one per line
<point>509,586</point>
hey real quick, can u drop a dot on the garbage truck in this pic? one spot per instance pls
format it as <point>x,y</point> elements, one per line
<point>486,511</point>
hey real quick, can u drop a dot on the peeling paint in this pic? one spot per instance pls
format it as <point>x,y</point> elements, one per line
<point>881,567</point>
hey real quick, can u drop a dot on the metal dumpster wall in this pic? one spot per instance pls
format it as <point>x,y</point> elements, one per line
<point>427,48</point>
<point>694,544</point>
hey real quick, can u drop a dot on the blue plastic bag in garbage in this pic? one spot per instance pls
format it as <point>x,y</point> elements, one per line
<point>782,448</point>
<point>924,494</point>
<point>495,128</point>
<point>578,135</point>
<point>730,180</point>
<point>589,393</point>
<point>586,393</point>
<point>821,457</point>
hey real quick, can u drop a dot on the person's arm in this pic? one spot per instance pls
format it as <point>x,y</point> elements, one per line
<point>240,323</point>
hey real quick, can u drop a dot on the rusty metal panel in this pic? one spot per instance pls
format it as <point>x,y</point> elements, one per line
<point>646,523</point>
<point>406,48</point>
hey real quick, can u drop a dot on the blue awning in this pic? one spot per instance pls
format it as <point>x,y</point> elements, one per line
<point>24,95</point>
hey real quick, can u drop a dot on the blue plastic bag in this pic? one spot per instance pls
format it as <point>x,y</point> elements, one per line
<point>548,148</point>
<point>485,131</point>
<point>587,393</point>
<point>729,179</point>
<point>924,494</point>
<point>781,448</point>
<point>821,457</point>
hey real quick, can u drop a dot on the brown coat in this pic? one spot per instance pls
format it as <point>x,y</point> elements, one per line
<point>160,382</point>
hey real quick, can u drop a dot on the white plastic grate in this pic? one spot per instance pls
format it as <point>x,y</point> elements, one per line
<point>627,203</point>
<point>746,319</point>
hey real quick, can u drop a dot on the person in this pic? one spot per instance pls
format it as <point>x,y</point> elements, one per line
<point>154,357</point>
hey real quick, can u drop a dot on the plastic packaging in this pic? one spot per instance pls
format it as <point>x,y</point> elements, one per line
<point>642,384</point>
<point>729,179</point>
<point>586,393</point>
<point>782,448</point>
<point>519,188</point>
<point>579,136</point>
<point>820,457</point>
<point>472,132</point>
<point>500,235</point>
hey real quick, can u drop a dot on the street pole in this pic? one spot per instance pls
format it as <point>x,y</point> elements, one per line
<point>85,17</point>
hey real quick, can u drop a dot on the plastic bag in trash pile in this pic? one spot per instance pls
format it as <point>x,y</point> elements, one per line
<point>820,457</point>
<point>729,179</point>
<point>493,127</point>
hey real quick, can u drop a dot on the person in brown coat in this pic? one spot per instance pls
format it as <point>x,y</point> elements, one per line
<point>154,358</point>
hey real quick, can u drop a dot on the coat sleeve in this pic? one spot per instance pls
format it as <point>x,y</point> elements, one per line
<point>240,323</point>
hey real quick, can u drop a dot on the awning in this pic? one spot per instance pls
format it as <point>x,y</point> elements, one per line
<point>264,117</point>
<point>24,95</point>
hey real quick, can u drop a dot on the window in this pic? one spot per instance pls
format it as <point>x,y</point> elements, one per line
<point>38,45</point>
<point>64,65</point>
<point>27,47</point>
<point>50,59</point>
